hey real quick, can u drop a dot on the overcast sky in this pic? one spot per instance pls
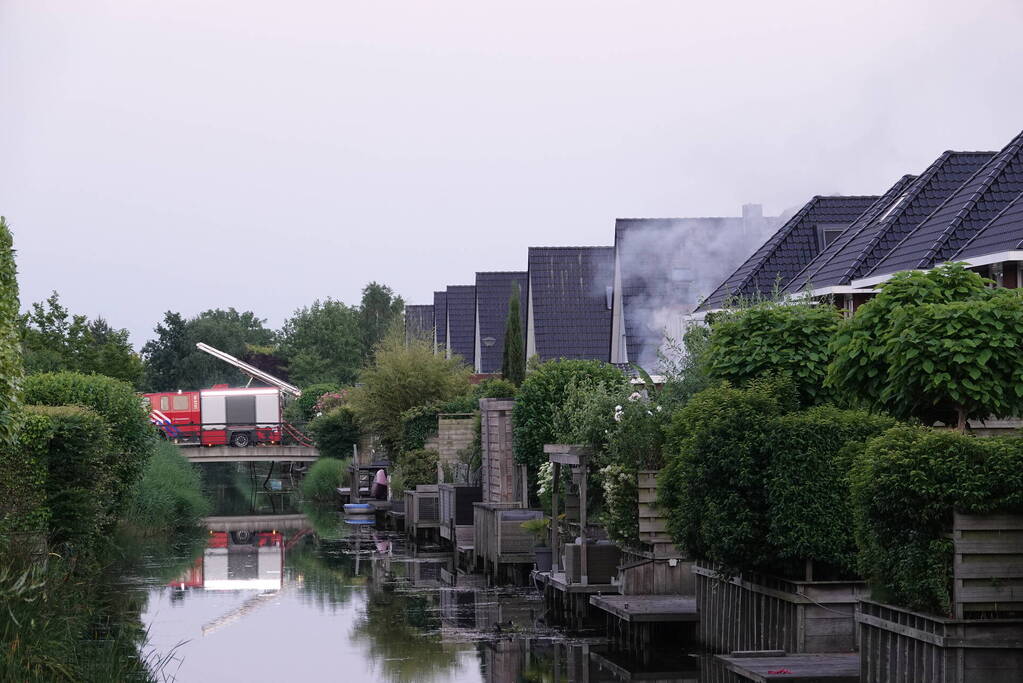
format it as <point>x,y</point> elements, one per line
<point>191,154</point>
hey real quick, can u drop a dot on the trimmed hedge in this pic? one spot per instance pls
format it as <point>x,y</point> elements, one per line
<point>415,468</point>
<point>808,487</point>
<point>335,432</point>
<point>80,478</point>
<point>132,437</point>
<point>23,473</point>
<point>906,484</point>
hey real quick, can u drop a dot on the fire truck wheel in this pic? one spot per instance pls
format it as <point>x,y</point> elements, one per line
<point>241,440</point>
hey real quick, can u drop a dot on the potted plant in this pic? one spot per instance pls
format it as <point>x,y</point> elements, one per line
<point>540,528</point>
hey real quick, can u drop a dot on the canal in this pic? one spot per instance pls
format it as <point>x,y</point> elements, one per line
<point>275,589</point>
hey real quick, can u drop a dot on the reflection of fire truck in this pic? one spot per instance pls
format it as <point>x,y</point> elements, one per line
<point>238,560</point>
<point>221,415</point>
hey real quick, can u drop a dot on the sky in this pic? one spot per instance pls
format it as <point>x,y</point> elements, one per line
<point>189,155</point>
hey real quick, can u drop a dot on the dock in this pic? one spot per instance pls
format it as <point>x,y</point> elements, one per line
<point>568,602</point>
<point>801,668</point>
<point>648,608</point>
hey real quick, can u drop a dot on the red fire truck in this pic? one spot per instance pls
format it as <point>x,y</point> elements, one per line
<point>221,415</point>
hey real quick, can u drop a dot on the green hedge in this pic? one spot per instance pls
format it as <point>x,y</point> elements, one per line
<point>80,478</point>
<point>335,432</point>
<point>415,468</point>
<point>712,487</point>
<point>24,515</point>
<point>420,423</point>
<point>906,485</point>
<point>808,488</point>
<point>132,436</point>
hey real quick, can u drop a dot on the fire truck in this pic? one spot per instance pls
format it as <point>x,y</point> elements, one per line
<point>221,415</point>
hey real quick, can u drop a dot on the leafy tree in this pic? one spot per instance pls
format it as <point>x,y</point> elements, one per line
<point>513,363</point>
<point>173,362</point>
<point>335,432</point>
<point>379,310</point>
<point>54,340</point>
<point>322,343</point>
<point>403,377</point>
<point>772,338</point>
<point>860,366</point>
<point>540,397</point>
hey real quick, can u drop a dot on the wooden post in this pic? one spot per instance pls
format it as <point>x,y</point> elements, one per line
<point>583,570</point>
<point>556,472</point>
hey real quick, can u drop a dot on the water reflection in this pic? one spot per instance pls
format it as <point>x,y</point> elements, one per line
<point>281,591</point>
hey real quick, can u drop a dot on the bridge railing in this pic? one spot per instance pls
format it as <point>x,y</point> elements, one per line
<point>283,433</point>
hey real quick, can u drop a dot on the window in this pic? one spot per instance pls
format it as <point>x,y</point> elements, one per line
<point>164,403</point>
<point>828,233</point>
<point>181,402</point>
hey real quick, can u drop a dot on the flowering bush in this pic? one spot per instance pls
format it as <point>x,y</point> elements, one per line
<point>330,400</point>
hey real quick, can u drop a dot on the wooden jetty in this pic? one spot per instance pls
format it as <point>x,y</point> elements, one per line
<point>636,609</point>
<point>765,666</point>
<point>643,624</point>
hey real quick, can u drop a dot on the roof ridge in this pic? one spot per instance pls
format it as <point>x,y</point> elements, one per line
<point>581,246</point>
<point>997,165</point>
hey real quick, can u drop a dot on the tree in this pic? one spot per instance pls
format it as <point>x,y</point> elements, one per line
<point>513,364</point>
<point>322,343</point>
<point>379,309</point>
<point>772,338</point>
<point>860,365</point>
<point>173,362</point>
<point>54,340</point>
<point>403,377</point>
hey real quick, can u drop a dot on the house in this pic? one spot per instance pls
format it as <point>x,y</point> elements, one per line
<point>959,221</point>
<point>905,206</point>
<point>419,322</point>
<point>664,266</point>
<point>773,266</point>
<point>493,293</point>
<point>461,322</point>
<point>440,322</point>
<point>569,298</point>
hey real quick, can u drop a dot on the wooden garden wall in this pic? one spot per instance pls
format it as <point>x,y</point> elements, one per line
<point>764,613</point>
<point>499,472</point>
<point>988,565</point>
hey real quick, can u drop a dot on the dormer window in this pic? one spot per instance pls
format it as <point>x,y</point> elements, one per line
<point>828,233</point>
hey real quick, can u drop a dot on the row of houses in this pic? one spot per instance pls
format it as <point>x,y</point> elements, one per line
<point>620,303</point>
<point>613,303</point>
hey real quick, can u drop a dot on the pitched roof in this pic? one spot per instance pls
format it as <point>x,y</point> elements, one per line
<point>944,232</point>
<point>419,322</point>
<point>568,289</point>
<point>789,250</point>
<point>826,268</point>
<point>461,306</point>
<point>493,292</point>
<point>1003,233</point>
<point>665,265</point>
<point>440,320</point>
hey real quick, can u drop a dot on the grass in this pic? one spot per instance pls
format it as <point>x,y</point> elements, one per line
<point>324,477</point>
<point>169,496</point>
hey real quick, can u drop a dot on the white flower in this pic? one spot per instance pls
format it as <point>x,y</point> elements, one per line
<point>659,408</point>
<point>635,396</point>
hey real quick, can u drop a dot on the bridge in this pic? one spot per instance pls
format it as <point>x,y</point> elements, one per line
<point>256,523</point>
<point>250,453</point>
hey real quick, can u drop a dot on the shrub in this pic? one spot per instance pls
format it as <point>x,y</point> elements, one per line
<point>132,437</point>
<point>807,485</point>
<point>712,487</point>
<point>420,423</point>
<point>24,515</point>
<point>403,377</point>
<point>540,398</point>
<point>169,495</point>
<point>415,468</point>
<point>79,475</point>
<point>335,432</point>
<point>11,369</point>
<point>788,338</point>
<point>495,388</point>
<point>323,479</point>
<point>906,485</point>
<point>303,408</point>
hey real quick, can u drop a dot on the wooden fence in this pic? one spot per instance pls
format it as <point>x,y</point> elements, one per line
<point>988,566</point>
<point>752,612</point>
<point>904,646</point>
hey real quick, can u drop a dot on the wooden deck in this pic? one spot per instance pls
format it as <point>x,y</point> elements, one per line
<point>559,582</point>
<point>648,608</point>
<point>816,668</point>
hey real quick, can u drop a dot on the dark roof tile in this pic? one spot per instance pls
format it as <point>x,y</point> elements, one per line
<point>461,332</point>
